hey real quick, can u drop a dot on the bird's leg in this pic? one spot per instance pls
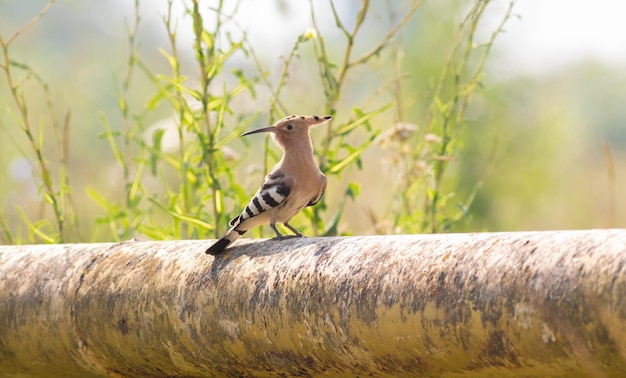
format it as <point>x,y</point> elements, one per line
<point>298,234</point>
<point>279,236</point>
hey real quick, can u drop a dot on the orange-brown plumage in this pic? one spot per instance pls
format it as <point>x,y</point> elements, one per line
<point>293,184</point>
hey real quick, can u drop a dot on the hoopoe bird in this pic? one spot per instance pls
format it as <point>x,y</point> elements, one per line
<point>293,184</point>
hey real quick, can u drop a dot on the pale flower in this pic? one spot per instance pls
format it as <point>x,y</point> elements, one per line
<point>310,33</point>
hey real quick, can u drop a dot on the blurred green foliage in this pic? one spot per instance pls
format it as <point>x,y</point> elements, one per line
<point>131,128</point>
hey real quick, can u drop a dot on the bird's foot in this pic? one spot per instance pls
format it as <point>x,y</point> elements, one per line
<point>296,232</point>
<point>283,237</point>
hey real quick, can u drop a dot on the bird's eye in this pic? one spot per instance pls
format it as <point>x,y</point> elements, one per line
<point>289,127</point>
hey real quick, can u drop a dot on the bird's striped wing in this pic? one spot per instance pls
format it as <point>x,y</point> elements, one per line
<point>273,192</point>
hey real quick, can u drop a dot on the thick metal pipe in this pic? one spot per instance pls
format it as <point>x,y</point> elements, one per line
<point>489,304</point>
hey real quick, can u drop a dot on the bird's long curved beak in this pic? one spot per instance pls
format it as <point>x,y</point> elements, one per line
<point>269,129</point>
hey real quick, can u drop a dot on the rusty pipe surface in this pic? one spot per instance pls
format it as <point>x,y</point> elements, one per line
<point>488,304</point>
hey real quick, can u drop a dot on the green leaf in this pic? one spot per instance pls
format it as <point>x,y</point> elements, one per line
<point>185,218</point>
<point>34,229</point>
<point>98,198</point>
<point>172,60</point>
<point>5,227</point>
<point>136,184</point>
<point>157,137</point>
<point>154,101</point>
<point>40,139</point>
<point>351,157</point>
<point>432,194</point>
<point>240,125</point>
<point>363,118</point>
<point>207,39</point>
<point>353,190</point>
<point>221,111</point>
<point>162,155</point>
<point>121,103</point>
<point>441,107</point>
<point>243,81</point>
<point>48,198</point>
<point>109,135</point>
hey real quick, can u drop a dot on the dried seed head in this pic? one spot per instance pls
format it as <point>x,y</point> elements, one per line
<point>229,154</point>
<point>432,138</point>
<point>400,133</point>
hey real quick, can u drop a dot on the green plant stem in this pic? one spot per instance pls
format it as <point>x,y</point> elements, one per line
<point>454,113</point>
<point>203,60</point>
<point>48,187</point>
<point>128,129</point>
<point>185,191</point>
<point>333,87</point>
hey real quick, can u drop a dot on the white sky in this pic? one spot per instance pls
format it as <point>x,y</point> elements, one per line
<point>549,34</point>
<point>552,33</point>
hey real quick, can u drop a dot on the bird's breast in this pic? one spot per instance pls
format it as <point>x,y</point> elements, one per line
<point>301,194</point>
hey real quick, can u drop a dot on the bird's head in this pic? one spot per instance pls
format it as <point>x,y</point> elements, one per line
<point>292,130</point>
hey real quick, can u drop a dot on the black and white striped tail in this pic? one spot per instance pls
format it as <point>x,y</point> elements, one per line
<point>224,242</point>
<point>218,247</point>
<point>273,192</point>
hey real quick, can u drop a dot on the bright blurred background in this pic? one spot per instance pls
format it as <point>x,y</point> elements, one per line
<point>546,131</point>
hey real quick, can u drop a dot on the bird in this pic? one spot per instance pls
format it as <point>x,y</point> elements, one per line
<point>294,183</point>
